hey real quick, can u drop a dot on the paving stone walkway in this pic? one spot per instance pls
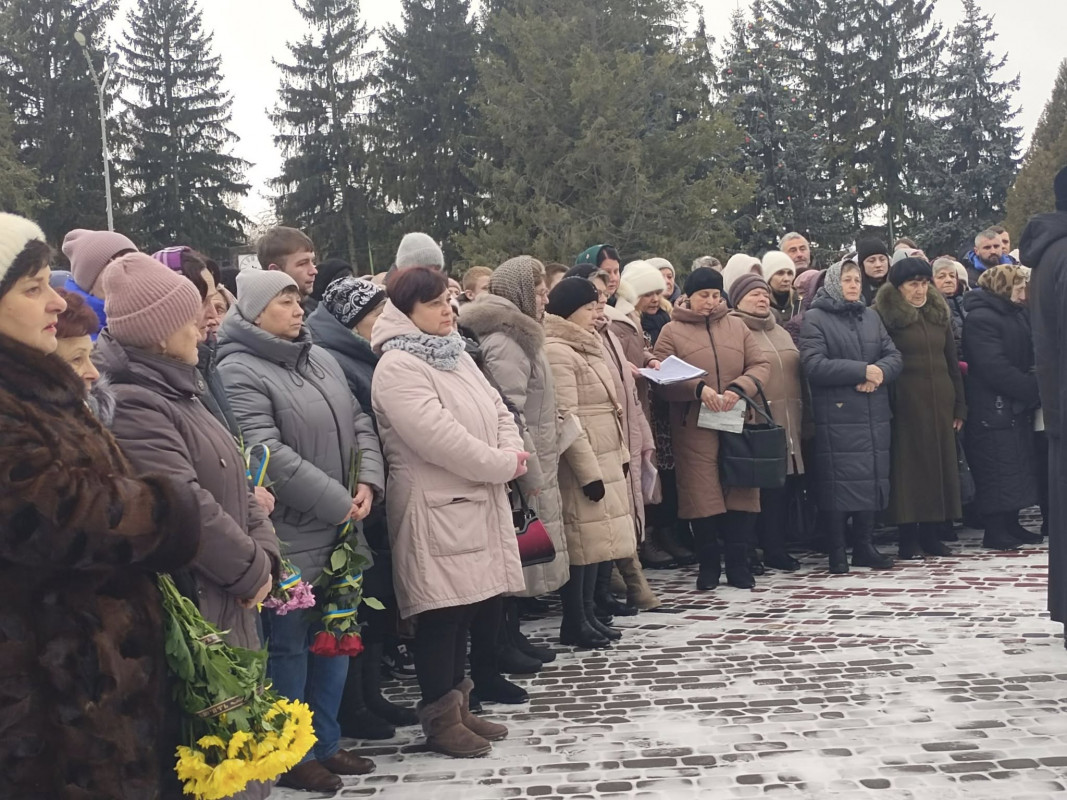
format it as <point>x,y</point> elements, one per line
<point>939,679</point>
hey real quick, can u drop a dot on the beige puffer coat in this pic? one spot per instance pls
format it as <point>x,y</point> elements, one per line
<point>450,444</point>
<point>604,530</point>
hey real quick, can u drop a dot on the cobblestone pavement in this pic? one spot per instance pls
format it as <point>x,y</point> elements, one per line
<point>939,679</point>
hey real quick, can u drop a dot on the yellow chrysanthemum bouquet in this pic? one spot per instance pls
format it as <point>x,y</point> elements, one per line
<point>236,730</point>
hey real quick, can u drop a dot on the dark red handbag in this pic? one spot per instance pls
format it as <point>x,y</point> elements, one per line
<point>535,545</point>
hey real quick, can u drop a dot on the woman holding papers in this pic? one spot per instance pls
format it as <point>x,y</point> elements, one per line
<point>703,334</point>
<point>848,359</point>
<point>751,299</point>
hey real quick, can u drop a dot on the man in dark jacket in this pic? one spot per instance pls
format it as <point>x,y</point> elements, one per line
<point>1044,249</point>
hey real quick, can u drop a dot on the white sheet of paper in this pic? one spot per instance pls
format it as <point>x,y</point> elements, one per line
<point>570,429</point>
<point>732,421</point>
<point>673,370</point>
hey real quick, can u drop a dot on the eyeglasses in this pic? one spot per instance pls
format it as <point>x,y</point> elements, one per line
<point>602,295</point>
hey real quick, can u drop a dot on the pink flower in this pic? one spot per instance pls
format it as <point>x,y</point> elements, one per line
<point>299,596</point>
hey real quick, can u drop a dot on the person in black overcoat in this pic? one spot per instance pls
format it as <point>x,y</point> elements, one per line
<point>1002,397</point>
<point>1043,247</point>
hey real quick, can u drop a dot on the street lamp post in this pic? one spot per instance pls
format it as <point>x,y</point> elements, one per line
<point>100,82</point>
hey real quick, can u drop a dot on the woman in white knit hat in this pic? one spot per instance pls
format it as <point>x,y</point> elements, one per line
<point>779,270</point>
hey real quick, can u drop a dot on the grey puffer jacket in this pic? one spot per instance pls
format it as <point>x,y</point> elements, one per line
<point>292,397</point>
<point>513,347</point>
<point>162,425</point>
<point>838,340</point>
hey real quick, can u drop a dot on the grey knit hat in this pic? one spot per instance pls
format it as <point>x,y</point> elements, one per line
<point>257,287</point>
<point>419,250</point>
<point>514,280</point>
<point>350,299</point>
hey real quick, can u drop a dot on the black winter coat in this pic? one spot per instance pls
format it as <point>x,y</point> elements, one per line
<point>1001,397</point>
<point>838,340</point>
<point>83,700</point>
<point>1044,247</point>
<point>352,352</point>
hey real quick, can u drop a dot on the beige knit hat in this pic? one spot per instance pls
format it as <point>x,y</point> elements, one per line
<point>15,233</point>
<point>639,278</point>
<point>145,302</point>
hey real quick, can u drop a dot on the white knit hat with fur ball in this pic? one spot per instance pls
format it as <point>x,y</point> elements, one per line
<point>15,233</point>
<point>639,278</point>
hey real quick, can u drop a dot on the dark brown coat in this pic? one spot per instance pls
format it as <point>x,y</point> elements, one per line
<point>161,424</point>
<point>83,692</point>
<point>725,347</point>
<point>926,398</point>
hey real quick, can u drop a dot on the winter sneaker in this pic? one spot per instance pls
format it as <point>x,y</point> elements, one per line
<point>398,662</point>
<point>653,557</point>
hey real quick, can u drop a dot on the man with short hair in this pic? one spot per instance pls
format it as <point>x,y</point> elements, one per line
<point>554,272</point>
<point>89,252</point>
<point>987,252</point>
<point>290,251</point>
<point>795,246</point>
<point>605,257</point>
<point>475,284</point>
<point>1043,246</point>
<point>1005,242</point>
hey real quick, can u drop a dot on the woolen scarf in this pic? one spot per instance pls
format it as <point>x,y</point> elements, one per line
<point>440,352</point>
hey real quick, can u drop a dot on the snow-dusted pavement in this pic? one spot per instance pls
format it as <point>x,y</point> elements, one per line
<point>935,680</point>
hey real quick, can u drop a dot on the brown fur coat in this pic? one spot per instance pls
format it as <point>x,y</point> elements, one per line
<point>83,694</point>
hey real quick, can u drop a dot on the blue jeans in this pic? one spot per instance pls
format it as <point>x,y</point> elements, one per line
<point>299,675</point>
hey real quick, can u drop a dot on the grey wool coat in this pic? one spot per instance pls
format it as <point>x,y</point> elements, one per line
<point>513,349</point>
<point>292,397</point>
<point>162,426</point>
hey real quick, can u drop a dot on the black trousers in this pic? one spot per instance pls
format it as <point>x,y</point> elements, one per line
<point>441,648</point>
<point>837,524</point>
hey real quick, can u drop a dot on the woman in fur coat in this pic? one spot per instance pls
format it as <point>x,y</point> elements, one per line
<point>928,409</point>
<point>84,701</point>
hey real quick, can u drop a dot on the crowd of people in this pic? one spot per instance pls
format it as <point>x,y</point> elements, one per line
<point>137,388</point>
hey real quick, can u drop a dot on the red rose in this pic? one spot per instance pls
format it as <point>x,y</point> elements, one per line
<point>325,644</point>
<point>351,644</point>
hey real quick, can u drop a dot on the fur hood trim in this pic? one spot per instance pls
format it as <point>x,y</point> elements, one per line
<point>492,314</point>
<point>897,313</point>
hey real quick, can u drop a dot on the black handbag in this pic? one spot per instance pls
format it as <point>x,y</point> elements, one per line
<point>756,458</point>
<point>535,545</point>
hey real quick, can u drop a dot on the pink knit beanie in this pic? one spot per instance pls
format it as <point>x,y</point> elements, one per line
<point>90,251</point>
<point>145,302</point>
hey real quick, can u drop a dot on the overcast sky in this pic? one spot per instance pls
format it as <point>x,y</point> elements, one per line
<point>248,33</point>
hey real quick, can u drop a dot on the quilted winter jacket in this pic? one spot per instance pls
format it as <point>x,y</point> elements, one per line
<point>724,347</point>
<point>162,425</point>
<point>838,340</point>
<point>292,397</point>
<point>513,351</point>
<point>450,443</point>
<point>603,530</point>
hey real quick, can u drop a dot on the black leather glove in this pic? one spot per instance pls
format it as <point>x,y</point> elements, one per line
<point>594,491</point>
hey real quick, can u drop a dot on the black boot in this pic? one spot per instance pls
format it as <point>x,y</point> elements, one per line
<point>593,574</point>
<point>606,604</point>
<point>835,542</point>
<point>999,534</point>
<point>706,541</point>
<point>909,549</point>
<point>737,526</point>
<point>575,630</point>
<point>781,561</point>
<point>516,637</point>
<point>400,716</point>
<point>355,719</point>
<point>864,553</point>
<point>946,532</point>
<point>930,540</point>
<point>1024,535</point>
<point>498,689</point>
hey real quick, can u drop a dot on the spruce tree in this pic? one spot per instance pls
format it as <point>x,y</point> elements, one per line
<point>18,182</point>
<point>184,183</point>
<point>973,158</point>
<point>782,144</point>
<point>321,124</point>
<point>597,130</point>
<point>53,103</point>
<point>423,124</point>
<point>1032,192</point>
